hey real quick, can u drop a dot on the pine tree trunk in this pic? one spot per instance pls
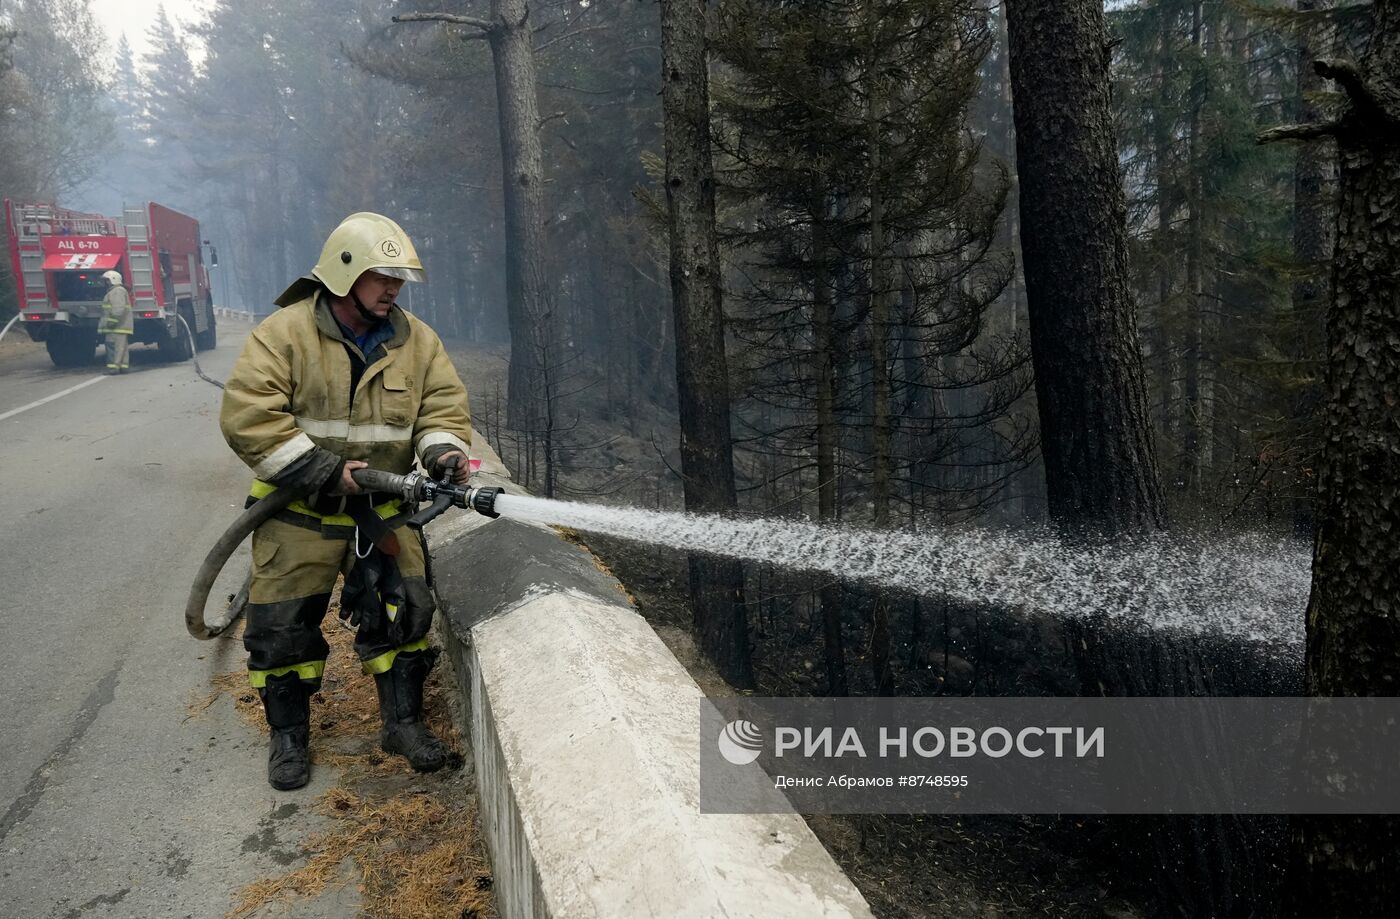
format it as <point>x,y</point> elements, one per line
<point>277,218</point>
<point>1016,299</point>
<point>528,307</point>
<point>1314,217</point>
<point>1351,865</point>
<point>702,375</point>
<point>1101,471</point>
<point>1313,207</point>
<point>1192,423</point>
<point>879,357</point>
<point>824,372</point>
<point>1161,343</point>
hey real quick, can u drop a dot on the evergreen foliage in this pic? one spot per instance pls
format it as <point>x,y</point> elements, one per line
<point>803,156</point>
<point>1232,366</point>
<point>54,126</point>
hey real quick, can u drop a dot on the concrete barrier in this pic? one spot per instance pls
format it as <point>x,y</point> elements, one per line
<point>583,730</point>
<point>225,312</point>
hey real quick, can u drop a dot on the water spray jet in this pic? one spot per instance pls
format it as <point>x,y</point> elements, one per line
<point>1247,589</point>
<point>1250,589</point>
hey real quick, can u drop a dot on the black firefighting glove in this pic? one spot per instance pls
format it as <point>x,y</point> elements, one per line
<point>374,596</point>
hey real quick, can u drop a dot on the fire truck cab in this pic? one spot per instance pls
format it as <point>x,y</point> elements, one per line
<point>58,258</point>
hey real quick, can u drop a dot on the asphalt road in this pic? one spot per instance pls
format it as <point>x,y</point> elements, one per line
<point>116,797</point>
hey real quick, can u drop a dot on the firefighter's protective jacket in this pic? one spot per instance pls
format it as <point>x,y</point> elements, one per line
<point>289,412</point>
<point>116,312</point>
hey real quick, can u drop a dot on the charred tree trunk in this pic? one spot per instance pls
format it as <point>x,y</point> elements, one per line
<point>702,375</point>
<point>1101,470</point>
<point>1099,462</point>
<point>528,306</point>
<point>880,459</point>
<point>1016,299</point>
<point>1314,218</point>
<point>824,372</point>
<point>1313,206</point>
<point>1351,865</point>
<point>1161,342</point>
<point>1193,421</point>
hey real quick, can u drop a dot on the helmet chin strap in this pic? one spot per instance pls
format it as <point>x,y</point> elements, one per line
<point>365,314</point>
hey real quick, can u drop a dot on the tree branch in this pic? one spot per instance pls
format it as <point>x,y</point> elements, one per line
<point>484,25</point>
<point>1344,72</point>
<point>1297,132</point>
<point>1365,94</point>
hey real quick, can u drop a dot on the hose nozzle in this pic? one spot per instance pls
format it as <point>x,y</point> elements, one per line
<point>482,499</point>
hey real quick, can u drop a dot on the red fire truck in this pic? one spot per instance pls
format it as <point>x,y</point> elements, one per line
<point>58,257</point>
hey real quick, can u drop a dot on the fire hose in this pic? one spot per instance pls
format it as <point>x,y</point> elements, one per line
<point>188,333</point>
<point>412,488</point>
<point>194,356</point>
<point>13,320</point>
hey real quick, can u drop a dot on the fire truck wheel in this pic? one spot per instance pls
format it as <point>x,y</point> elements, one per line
<point>175,346</point>
<point>70,347</point>
<point>207,340</point>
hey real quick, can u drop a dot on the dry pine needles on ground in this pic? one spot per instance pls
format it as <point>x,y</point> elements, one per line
<point>411,839</point>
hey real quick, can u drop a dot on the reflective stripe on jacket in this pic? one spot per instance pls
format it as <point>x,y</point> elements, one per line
<point>289,393</point>
<point>384,509</point>
<point>116,312</point>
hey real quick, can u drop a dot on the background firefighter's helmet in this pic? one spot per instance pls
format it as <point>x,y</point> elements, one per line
<point>112,277</point>
<point>363,242</point>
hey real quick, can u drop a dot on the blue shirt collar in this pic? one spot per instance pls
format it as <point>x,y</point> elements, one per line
<point>376,335</point>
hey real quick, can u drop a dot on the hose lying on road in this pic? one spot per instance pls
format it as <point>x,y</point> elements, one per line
<point>194,355</point>
<point>197,369</point>
<point>214,563</point>
<point>13,320</point>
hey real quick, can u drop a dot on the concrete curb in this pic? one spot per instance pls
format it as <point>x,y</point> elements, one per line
<point>583,729</point>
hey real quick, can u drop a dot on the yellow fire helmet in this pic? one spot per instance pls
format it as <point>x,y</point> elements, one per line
<point>363,242</point>
<point>112,277</point>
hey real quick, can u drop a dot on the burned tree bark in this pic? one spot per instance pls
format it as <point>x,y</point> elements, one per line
<point>1101,469</point>
<point>1100,466</point>
<point>1353,632</point>
<point>1314,217</point>
<point>702,375</point>
<point>824,373</point>
<point>880,427</point>
<point>1350,866</point>
<point>1313,208</point>
<point>1197,404</point>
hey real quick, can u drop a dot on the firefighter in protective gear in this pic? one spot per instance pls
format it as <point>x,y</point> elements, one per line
<point>116,322</point>
<point>339,378</point>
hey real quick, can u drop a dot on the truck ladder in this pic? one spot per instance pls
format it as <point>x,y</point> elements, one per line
<point>139,258</point>
<point>34,220</point>
<point>31,264</point>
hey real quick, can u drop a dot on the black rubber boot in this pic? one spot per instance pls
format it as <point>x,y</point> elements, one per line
<point>401,707</point>
<point>287,704</point>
